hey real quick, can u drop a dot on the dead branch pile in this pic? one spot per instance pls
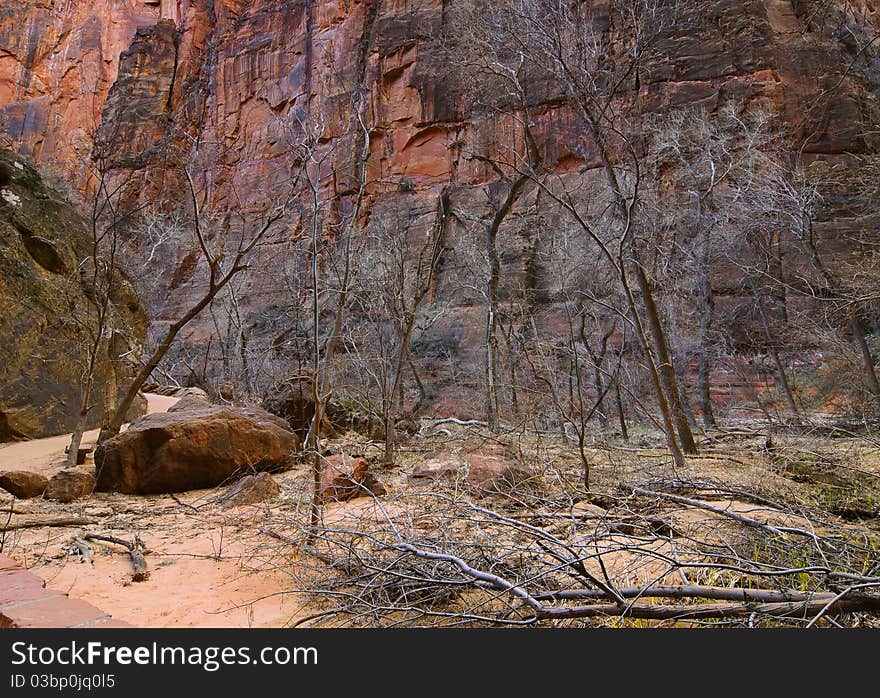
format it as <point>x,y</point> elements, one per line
<point>665,550</point>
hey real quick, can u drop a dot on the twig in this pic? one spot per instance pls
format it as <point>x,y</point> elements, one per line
<point>181,502</point>
<point>141,572</point>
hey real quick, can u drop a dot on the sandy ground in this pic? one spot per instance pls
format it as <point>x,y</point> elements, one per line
<point>47,456</point>
<point>206,570</point>
<point>212,566</point>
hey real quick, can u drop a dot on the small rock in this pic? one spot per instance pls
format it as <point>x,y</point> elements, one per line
<point>585,510</point>
<point>23,484</point>
<point>407,425</point>
<point>251,489</point>
<point>190,401</point>
<point>192,392</point>
<point>70,485</point>
<point>434,470</point>
<point>346,477</point>
<point>227,392</point>
<point>491,469</point>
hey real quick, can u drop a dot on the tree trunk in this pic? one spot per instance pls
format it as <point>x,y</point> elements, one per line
<point>621,414</point>
<point>599,382</point>
<point>858,332</point>
<point>666,369</point>
<point>783,382</point>
<point>491,329</point>
<point>707,307</point>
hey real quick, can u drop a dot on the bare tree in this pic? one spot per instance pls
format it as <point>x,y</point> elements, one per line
<point>399,264</point>
<point>224,254</point>
<point>572,46</point>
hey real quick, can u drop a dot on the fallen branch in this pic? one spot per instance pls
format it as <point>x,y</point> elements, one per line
<point>182,503</point>
<point>141,572</point>
<point>48,522</point>
<point>693,592</point>
<point>717,611</point>
<point>748,521</point>
<point>84,550</point>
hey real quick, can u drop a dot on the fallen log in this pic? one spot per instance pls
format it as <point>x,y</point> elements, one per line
<point>48,522</point>
<point>717,611</point>
<point>141,572</point>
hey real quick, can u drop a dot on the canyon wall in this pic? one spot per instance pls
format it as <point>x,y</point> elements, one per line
<point>221,82</point>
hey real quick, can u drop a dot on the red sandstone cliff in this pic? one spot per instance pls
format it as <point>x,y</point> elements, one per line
<point>226,77</point>
<point>231,73</point>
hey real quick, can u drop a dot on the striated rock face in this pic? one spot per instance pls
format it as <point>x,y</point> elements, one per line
<point>44,308</point>
<point>225,79</point>
<point>235,72</point>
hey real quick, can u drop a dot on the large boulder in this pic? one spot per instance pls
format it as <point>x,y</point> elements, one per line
<point>23,483</point>
<point>45,310</point>
<point>292,401</point>
<point>203,446</point>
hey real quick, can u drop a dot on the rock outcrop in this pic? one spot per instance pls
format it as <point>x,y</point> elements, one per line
<point>45,310</point>
<point>195,448</point>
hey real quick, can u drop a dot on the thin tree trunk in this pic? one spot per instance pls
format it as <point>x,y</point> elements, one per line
<point>491,327</point>
<point>858,332</point>
<point>783,381</point>
<point>704,389</point>
<point>774,353</point>
<point>707,307</point>
<point>621,414</point>
<point>666,369</point>
<point>423,394</point>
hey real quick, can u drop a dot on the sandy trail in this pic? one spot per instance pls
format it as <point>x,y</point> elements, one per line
<point>205,570</point>
<point>47,455</point>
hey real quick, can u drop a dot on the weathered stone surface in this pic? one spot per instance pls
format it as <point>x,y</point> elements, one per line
<point>435,469</point>
<point>42,243</point>
<point>23,484</point>
<point>19,587</point>
<point>491,469</point>
<point>52,611</point>
<point>70,485</point>
<point>201,447</point>
<point>251,489</point>
<point>25,602</point>
<point>345,477</point>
